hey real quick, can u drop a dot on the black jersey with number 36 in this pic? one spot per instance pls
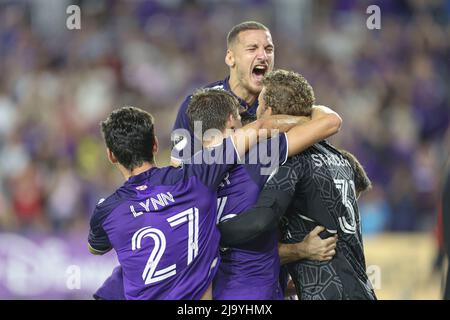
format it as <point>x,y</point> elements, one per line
<point>322,182</point>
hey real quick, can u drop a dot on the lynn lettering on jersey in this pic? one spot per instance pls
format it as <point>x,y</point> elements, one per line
<point>160,201</point>
<point>331,160</point>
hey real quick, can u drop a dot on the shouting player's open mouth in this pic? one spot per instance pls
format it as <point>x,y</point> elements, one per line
<point>258,73</point>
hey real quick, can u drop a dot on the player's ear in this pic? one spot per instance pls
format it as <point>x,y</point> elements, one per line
<point>230,122</point>
<point>155,146</point>
<point>266,112</point>
<point>112,158</point>
<point>229,58</point>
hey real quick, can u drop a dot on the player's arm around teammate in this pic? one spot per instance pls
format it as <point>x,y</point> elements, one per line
<point>272,204</point>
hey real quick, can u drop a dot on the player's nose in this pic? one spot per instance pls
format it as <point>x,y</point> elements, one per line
<point>261,55</point>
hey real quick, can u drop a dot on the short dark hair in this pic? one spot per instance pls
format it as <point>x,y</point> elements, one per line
<point>212,107</point>
<point>247,118</point>
<point>244,26</point>
<point>362,181</point>
<point>129,134</point>
<point>288,92</point>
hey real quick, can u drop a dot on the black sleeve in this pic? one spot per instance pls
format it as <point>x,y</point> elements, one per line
<point>271,206</point>
<point>264,216</point>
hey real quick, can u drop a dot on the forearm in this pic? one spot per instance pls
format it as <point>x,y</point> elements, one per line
<point>290,252</point>
<point>330,119</point>
<point>319,128</point>
<point>247,136</point>
<point>282,122</point>
<point>249,225</point>
<point>246,227</point>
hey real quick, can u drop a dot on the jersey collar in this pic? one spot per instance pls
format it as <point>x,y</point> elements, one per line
<point>139,178</point>
<point>247,109</point>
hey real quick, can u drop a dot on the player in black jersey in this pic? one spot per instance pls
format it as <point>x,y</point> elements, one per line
<point>316,187</point>
<point>326,193</point>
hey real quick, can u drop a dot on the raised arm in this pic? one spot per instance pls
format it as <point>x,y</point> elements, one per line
<point>301,131</point>
<point>324,123</point>
<point>247,136</point>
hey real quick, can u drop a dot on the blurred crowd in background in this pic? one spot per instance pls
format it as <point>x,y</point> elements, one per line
<point>56,85</point>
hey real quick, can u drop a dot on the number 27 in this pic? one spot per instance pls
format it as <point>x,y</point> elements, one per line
<point>150,274</point>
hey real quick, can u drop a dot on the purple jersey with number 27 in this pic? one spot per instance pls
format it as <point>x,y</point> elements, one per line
<point>162,225</point>
<point>250,272</point>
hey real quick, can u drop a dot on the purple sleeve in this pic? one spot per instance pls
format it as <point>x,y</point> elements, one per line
<point>98,239</point>
<point>211,164</point>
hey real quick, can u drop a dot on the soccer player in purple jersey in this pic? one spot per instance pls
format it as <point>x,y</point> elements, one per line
<point>250,55</point>
<point>162,221</point>
<point>215,102</point>
<point>251,270</point>
<point>251,177</point>
<point>323,184</point>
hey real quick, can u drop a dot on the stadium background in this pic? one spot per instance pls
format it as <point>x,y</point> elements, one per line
<point>389,85</point>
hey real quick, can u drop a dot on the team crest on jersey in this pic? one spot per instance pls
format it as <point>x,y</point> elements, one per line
<point>180,142</point>
<point>141,188</point>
